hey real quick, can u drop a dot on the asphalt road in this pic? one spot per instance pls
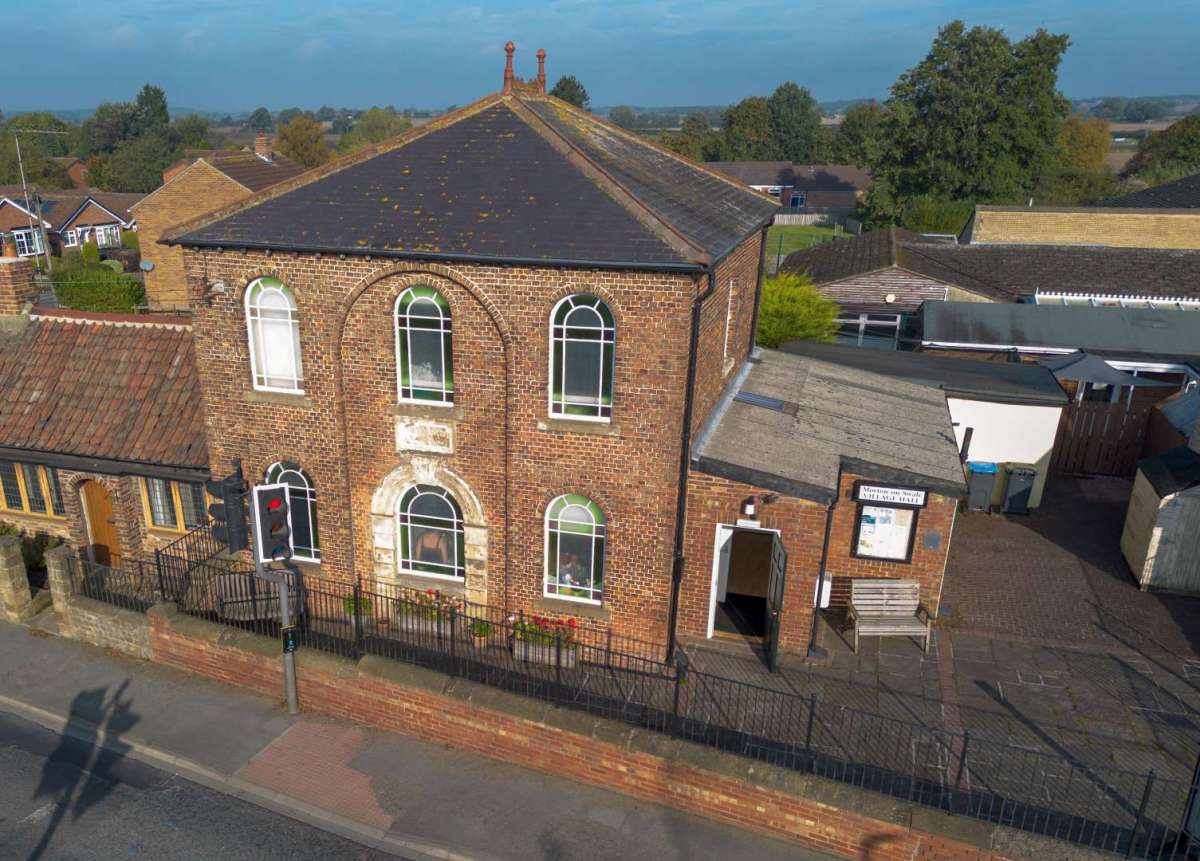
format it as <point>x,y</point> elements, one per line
<point>63,799</point>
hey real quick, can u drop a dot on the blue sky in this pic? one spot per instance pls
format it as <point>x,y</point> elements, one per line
<point>237,54</point>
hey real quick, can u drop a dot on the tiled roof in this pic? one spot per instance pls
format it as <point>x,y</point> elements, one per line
<point>519,177</point>
<point>58,206</point>
<point>804,177</point>
<point>103,386</point>
<point>1007,272</point>
<point>1180,194</point>
<point>246,168</point>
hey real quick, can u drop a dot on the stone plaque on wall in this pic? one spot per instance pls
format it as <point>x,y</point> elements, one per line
<point>421,434</point>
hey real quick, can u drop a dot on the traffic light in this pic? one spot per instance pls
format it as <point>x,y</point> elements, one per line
<point>274,522</point>
<point>229,514</point>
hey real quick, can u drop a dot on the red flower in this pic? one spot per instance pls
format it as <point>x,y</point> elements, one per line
<point>572,623</point>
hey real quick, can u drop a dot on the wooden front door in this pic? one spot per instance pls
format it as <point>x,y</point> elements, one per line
<point>102,526</point>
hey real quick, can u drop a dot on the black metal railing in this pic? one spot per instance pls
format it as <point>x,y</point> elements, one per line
<point>1059,795</point>
<point>133,584</point>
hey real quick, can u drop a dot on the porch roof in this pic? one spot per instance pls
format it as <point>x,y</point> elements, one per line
<point>790,423</point>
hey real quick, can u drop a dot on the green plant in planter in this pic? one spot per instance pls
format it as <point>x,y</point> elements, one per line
<point>481,630</point>
<point>542,631</point>
<point>359,606</point>
<point>426,605</point>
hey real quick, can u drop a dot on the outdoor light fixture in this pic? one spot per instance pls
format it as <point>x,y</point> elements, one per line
<point>749,509</point>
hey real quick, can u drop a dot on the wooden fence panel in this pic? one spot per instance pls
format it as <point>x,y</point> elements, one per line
<point>1100,438</point>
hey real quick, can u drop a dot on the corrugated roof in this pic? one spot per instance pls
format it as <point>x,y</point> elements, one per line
<point>1107,331</point>
<point>520,177</point>
<point>103,386</point>
<point>880,427</point>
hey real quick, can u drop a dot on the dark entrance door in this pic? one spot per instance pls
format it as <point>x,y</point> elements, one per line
<point>775,600</point>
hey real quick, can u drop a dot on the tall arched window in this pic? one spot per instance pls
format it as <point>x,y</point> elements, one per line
<point>582,335</point>
<point>302,499</point>
<point>431,533</point>
<point>274,330</point>
<point>575,549</point>
<point>424,362</point>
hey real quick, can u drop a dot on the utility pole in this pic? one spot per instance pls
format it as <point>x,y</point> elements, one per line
<point>41,224</point>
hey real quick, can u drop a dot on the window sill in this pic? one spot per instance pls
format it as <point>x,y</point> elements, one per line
<point>572,608</point>
<point>450,412</point>
<point>581,427</point>
<point>281,399</point>
<point>416,581</point>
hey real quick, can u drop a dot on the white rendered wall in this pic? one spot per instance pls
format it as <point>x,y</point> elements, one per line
<point>1008,433</point>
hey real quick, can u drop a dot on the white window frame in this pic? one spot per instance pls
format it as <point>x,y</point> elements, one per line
<point>26,247</point>
<point>447,349</point>
<point>798,199</point>
<point>456,529</point>
<point>599,532</point>
<point>254,335</point>
<point>557,409</point>
<point>297,495</point>
<point>862,321</point>
<point>108,236</point>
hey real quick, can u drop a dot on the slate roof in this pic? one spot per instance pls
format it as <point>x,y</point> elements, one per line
<point>880,427</point>
<point>805,177</point>
<point>1181,194</point>
<point>514,178</point>
<point>103,386</point>
<point>971,379</point>
<point>1110,332</point>
<point>1006,272</point>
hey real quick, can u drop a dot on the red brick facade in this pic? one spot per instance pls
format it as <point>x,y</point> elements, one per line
<point>507,458</point>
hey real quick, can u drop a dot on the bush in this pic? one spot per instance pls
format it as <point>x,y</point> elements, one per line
<point>33,546</point>
<point>97,288</point>
<point>90,252</point>
<point>793,309</point>
<point>114,265</point>
<point>129,239</point>
<point>931,215</point>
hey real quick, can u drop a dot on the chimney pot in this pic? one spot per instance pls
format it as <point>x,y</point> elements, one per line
<point>541,76</point>
<point>509,48</point>
<point>262,146</point>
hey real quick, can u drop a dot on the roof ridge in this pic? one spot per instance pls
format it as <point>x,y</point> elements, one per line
<point>610,185</point>
<point>104,318</point>
<point>312,175</point>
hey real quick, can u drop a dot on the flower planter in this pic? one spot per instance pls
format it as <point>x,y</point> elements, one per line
<point>539,652</point>
<point>428,626</point>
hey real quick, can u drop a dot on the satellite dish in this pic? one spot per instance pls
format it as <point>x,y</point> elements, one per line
<point>146,266</point>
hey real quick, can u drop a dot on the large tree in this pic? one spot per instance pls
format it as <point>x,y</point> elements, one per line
<point>377,124</point>
<point>746,131</point>
<point>136,164</point>
<point>1166,155</point>
<point>37,150</point>
<point>795,124</point>
<point>570,89</point>
<point>1085,143</point>
<point>150,110</point>
<point>857,140</point>
<point>623,116</point>
<point>303,141</point>
<point>260,120</point>
<point>695,139</point>
<point>977,119</point>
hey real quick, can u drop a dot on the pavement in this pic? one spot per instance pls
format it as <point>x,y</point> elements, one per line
<point>384,791</point>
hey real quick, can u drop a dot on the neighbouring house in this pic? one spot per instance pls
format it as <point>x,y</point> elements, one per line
<point>1181,194</point>
<point>67,219</point>
<point>880,276</point>
<point>77,170</point>
<point>101,438</point>
<point>1005,413</point>
<point>829,188</point>
<point>204,181</point>
<point>1084,226</point>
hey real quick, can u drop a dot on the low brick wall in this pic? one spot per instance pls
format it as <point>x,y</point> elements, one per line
<point>106,626</point>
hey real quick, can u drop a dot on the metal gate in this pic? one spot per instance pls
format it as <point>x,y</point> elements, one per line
<point>775,580</point>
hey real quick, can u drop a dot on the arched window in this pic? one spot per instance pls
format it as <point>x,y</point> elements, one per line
<point>575,549</point>
<point>274,329</point>
<point>424,363</point>
<point>582,335</point>
<point>302,499</point>
<point>431,533</point>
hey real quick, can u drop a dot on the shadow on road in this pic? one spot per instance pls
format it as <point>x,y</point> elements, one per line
<point>78,774</point>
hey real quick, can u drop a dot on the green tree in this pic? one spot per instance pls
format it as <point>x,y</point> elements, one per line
<point>1145,110</point>
<point>377,124</point>
<point>1110,108</point>
<point>1085,143</point>
<point>795,124</point>
<point>136,164</point>
<point>260,120</point>
<point>569,89</point>
<point>623,116</point>
<point>325,114</point>
<point>150,110</point>
<point>792,309</point>
<point>695,139</point>
<point>303,141</point>
<point>37,151</point>
<point>977,119</point>
<point>341,124</point>
<point>288,114</point>
<point>103,131</point>
<point>746,131</point>
<point>191,132</point>
<point>930,215</point>
<point>1169,154</point>
<point>857,139</point>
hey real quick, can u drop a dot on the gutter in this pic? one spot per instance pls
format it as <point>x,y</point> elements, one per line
<point>104,466</point>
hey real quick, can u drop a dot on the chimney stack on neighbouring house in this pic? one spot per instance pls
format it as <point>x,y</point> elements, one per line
<point>541,78</point>
<point>17,287</point>
<point>509,48</point>
<point>262,146</point>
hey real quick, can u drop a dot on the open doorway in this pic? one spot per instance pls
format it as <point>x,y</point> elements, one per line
<point>743,568</point>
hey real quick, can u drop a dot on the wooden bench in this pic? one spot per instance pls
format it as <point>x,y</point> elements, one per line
<point>888,608</point>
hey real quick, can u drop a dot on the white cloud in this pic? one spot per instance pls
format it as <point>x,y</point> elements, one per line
<point>310,47</point>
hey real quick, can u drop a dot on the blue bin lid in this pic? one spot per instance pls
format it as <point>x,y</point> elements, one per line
<point>982,466</point>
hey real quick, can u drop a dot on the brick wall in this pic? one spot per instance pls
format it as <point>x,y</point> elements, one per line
<point>508,460</point>
<point>107,626</point>
<point>17,286</point>
<point>1143,228</point>
<point>195,190</point>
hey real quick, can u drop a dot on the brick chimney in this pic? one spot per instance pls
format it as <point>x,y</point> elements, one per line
<point>262,146</point>
<point>509,48</point>
<point>541,78</point>
<point>17,287</point>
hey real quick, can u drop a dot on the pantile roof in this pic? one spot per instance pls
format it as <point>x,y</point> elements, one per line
<point>253,171</point>
<point>104,386</point>
<point>519,177</point>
